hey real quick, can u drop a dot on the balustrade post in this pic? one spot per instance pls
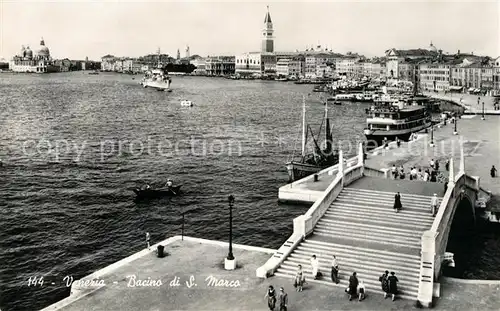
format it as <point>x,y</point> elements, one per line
<point>451,177</point>
<point>428,256</point>
<point>462,158</point>
<point>341,168</point>
<point>361,158</point>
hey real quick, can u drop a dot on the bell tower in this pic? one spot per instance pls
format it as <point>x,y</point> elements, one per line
<point>267,34</point>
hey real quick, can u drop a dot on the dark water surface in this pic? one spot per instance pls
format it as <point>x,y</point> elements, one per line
<point>74,144</point>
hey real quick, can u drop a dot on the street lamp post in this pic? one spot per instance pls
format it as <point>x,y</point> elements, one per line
<point>432,134</point>
<point>230,262</point>
<point>482,118</point>
<point>182,233</point>
<point>455,132</point>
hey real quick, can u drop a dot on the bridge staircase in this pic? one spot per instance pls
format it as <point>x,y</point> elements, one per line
<point>366,235</point>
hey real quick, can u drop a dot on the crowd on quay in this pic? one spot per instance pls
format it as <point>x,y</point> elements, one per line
<point>430,173</point>
<point>355,289</point>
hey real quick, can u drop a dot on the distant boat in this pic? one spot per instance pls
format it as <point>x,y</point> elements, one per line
<point>318,160</point>
<point>150,193</point>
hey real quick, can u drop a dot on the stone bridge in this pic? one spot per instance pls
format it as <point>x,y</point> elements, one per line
<point>354,220</point>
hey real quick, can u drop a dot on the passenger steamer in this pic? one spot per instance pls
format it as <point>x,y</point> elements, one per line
<point>391,119</point>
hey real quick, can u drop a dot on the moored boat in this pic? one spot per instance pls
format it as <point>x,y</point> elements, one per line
<point>319,159</point>
<point>389,121</point>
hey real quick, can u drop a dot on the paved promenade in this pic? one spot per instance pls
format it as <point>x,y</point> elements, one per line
<point>469,102</point>
<point>201,260</point>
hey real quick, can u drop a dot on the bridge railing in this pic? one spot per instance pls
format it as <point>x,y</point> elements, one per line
<point>373,172</point>
<point>434,240</point>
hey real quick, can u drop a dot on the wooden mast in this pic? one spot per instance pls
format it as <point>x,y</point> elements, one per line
<point>303,126</point>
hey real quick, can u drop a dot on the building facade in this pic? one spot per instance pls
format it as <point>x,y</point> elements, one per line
<point>220,65</point>
<point>434,76</point>
<point>39,61</point>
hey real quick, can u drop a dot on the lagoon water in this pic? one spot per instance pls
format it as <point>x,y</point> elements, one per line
<point>73,145</point>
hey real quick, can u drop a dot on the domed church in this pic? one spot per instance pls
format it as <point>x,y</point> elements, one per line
<point>29,61</point>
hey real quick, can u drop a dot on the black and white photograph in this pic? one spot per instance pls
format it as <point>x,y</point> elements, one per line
<point>192,155</point>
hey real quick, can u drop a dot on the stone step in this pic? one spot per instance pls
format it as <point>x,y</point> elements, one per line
<point>375,202</point>
<point>382,221</point>
<point>311,242</point>
<point>372,287</point>
<point>401,217</point>
<point>377,197</point>
<point>360,190</point>
<point>385,197</point>
<point>382,208</point>
<point>394,248</point>
<point>363,273</point>
<point>374,239</point>
<point>365,226</point>
<point>341,254</point>
<point>369,233</point>
<point>351,263</point>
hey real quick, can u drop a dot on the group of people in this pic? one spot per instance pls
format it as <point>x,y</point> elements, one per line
<point>356,287</point>
<point>429,174</point>
<point>389,284</point>
<point>272,298</point>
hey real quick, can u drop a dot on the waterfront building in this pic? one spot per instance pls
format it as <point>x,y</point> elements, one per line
<point>400,63</point>
<point>4,64</point>
<point>290,67</point>
<point>345,66</point>
<point>200,64</point>
<point>108,63</point>
<point>496,75</point>
<point>434,76</point>
<point>220,65</point>
<point>317,61</point>
<point>38,61</point>
<point>255,63</point>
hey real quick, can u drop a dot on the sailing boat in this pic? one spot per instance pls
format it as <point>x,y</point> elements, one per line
<point>318,160</point>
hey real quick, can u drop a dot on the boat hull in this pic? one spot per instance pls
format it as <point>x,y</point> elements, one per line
<point>298,170</point>
<point>160,85</point>
<point>156,193</point>
<point>378,136</point>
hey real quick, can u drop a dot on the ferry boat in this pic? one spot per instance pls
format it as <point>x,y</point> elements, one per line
<point>392,119</point>
<point>310,163</point>
<point>157,79</point>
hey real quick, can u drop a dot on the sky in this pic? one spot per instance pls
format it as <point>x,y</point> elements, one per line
<point>76,29</point>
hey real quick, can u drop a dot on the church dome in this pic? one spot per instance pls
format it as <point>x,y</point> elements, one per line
<point>28,53</point>
<point>43,50</point>
<point>432,48</point>
<point>22,51</point>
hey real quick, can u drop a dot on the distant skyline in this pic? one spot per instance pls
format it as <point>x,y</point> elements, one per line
<point>76,29</point>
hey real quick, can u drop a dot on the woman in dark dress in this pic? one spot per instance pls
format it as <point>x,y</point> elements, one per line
<point>353,286</point>
<point>397,202</point>
<point>393,285</point>
<point>271,298</point>
<point>384,282</point>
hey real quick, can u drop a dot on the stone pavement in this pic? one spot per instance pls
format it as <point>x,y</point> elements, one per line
<point>481,150</point>
<point>401,185</point>
<point>201,260</point>
<point>468,101</point>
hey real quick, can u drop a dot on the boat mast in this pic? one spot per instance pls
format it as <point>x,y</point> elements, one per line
<point>158,51</point>
<point>303,126</point>
<point>328,133</point>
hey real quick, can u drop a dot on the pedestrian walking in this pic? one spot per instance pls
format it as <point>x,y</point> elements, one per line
<point>283,299</point>
<point>299,279</point>
<point>431,163</point>
<point>397,202</point>
<point>447,165</point>
<point>361,290</point>
<point>398,142</point>
<point>271,298</point>
<point>384,282</point>
<point>434,205</point>
<point>393,285</point>
<point>315,267</point>
<point>436,164</point>
<point>394,171</point>
<point>493,171</point>
<point>353,286</point>
<point>335,270</point>
<point>148,237</point>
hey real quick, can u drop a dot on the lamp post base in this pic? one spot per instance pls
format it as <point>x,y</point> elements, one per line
<point>229,264</point>
<point>482,118</point>
<point>455,133</point>
<point>431,144</point>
